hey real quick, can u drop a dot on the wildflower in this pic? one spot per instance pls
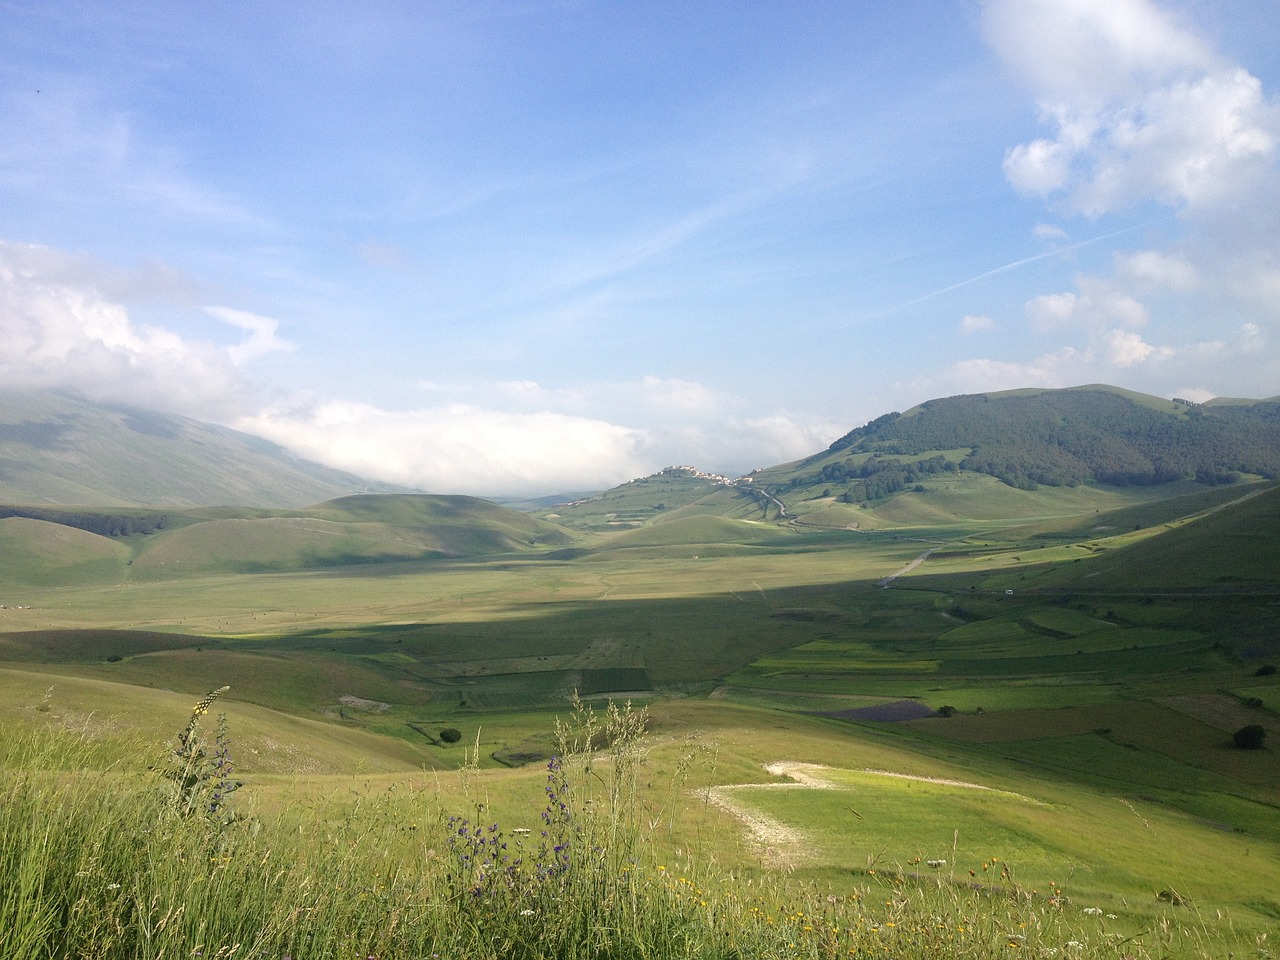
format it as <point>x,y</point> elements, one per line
<point>1092,911</point>
<point>526,912</point>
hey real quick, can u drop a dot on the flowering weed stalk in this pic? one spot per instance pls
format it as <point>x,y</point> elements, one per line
<point>201,773</point>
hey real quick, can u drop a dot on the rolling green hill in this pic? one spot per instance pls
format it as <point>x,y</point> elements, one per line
<point>366,529</point>
<point>58,449</point>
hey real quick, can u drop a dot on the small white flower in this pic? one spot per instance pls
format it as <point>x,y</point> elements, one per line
<point>1093,911</point>
<point>526,912</point>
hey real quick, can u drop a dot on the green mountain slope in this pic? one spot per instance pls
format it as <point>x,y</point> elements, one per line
<point>1231,546</point>
<point>56,448</point>
<point>985,458</point>
<point>1092,434</point>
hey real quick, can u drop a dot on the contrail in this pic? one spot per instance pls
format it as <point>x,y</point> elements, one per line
<point>1018,263</point>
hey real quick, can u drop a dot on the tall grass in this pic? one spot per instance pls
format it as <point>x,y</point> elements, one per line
<point>145,865</point>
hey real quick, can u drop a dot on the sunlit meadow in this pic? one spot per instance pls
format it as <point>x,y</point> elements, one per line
<point>166,859</point>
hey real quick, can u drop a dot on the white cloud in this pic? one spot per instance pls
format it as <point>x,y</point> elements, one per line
<point>1141,107</point>
<point>1049,232</point>
<point>262,334</point>
<point>1051,309</point>
<point>1040,167</point>
<point>1141,110</point>
<point>1153,270</point>
<point>980,375</point>
<point>1126,348</point>
<point>57,330</point>
<point>463,448</point>
<point>1098,304</point>
<point>976,324</point>
<point>684,396</point>
<point>457,449</point>
<point>1091,49</point>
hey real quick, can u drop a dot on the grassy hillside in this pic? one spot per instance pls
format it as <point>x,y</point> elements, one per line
<point>651,499</point>
<point>39,552</point>
<point>194,542</point>
<point>61,449</point>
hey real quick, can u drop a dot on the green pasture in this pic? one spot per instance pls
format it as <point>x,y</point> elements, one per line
<point>1099,851</point>
<point>37,553</point>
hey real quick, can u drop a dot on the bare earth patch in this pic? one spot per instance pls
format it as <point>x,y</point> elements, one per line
<point>782,843</point>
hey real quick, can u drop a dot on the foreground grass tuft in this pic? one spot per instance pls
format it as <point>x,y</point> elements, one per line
<point>147,865</point>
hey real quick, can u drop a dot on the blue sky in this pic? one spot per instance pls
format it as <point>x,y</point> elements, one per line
<point>522,247</point>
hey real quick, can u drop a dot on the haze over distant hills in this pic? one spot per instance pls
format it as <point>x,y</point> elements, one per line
<point>57,448</point>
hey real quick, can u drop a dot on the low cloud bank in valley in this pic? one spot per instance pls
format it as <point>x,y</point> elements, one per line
<point>61,328</point>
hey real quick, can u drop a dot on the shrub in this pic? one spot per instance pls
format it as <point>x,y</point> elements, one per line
<point>1266,670</point>
<point>450,735</point>
<point>1250,737</point>
<point>946,711</point>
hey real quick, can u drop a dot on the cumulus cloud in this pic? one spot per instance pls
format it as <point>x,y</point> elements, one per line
<point>1096,304</point>
<point>1126,348</point>
<point>1226,365</point>
<point>58,330</point>
<point>465,448</point>
<point>1059,368</point>
<point>1092,49</point>
<point>457,448</point>
<point>1141,108</point>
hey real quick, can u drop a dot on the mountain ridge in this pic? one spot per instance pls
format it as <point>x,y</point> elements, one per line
<point>1089,434</point>
<point>60,449</point>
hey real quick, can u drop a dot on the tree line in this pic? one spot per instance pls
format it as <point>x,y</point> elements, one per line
<point>101,523</point>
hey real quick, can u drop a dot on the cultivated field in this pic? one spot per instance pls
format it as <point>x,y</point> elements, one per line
<point>1032,726</point>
